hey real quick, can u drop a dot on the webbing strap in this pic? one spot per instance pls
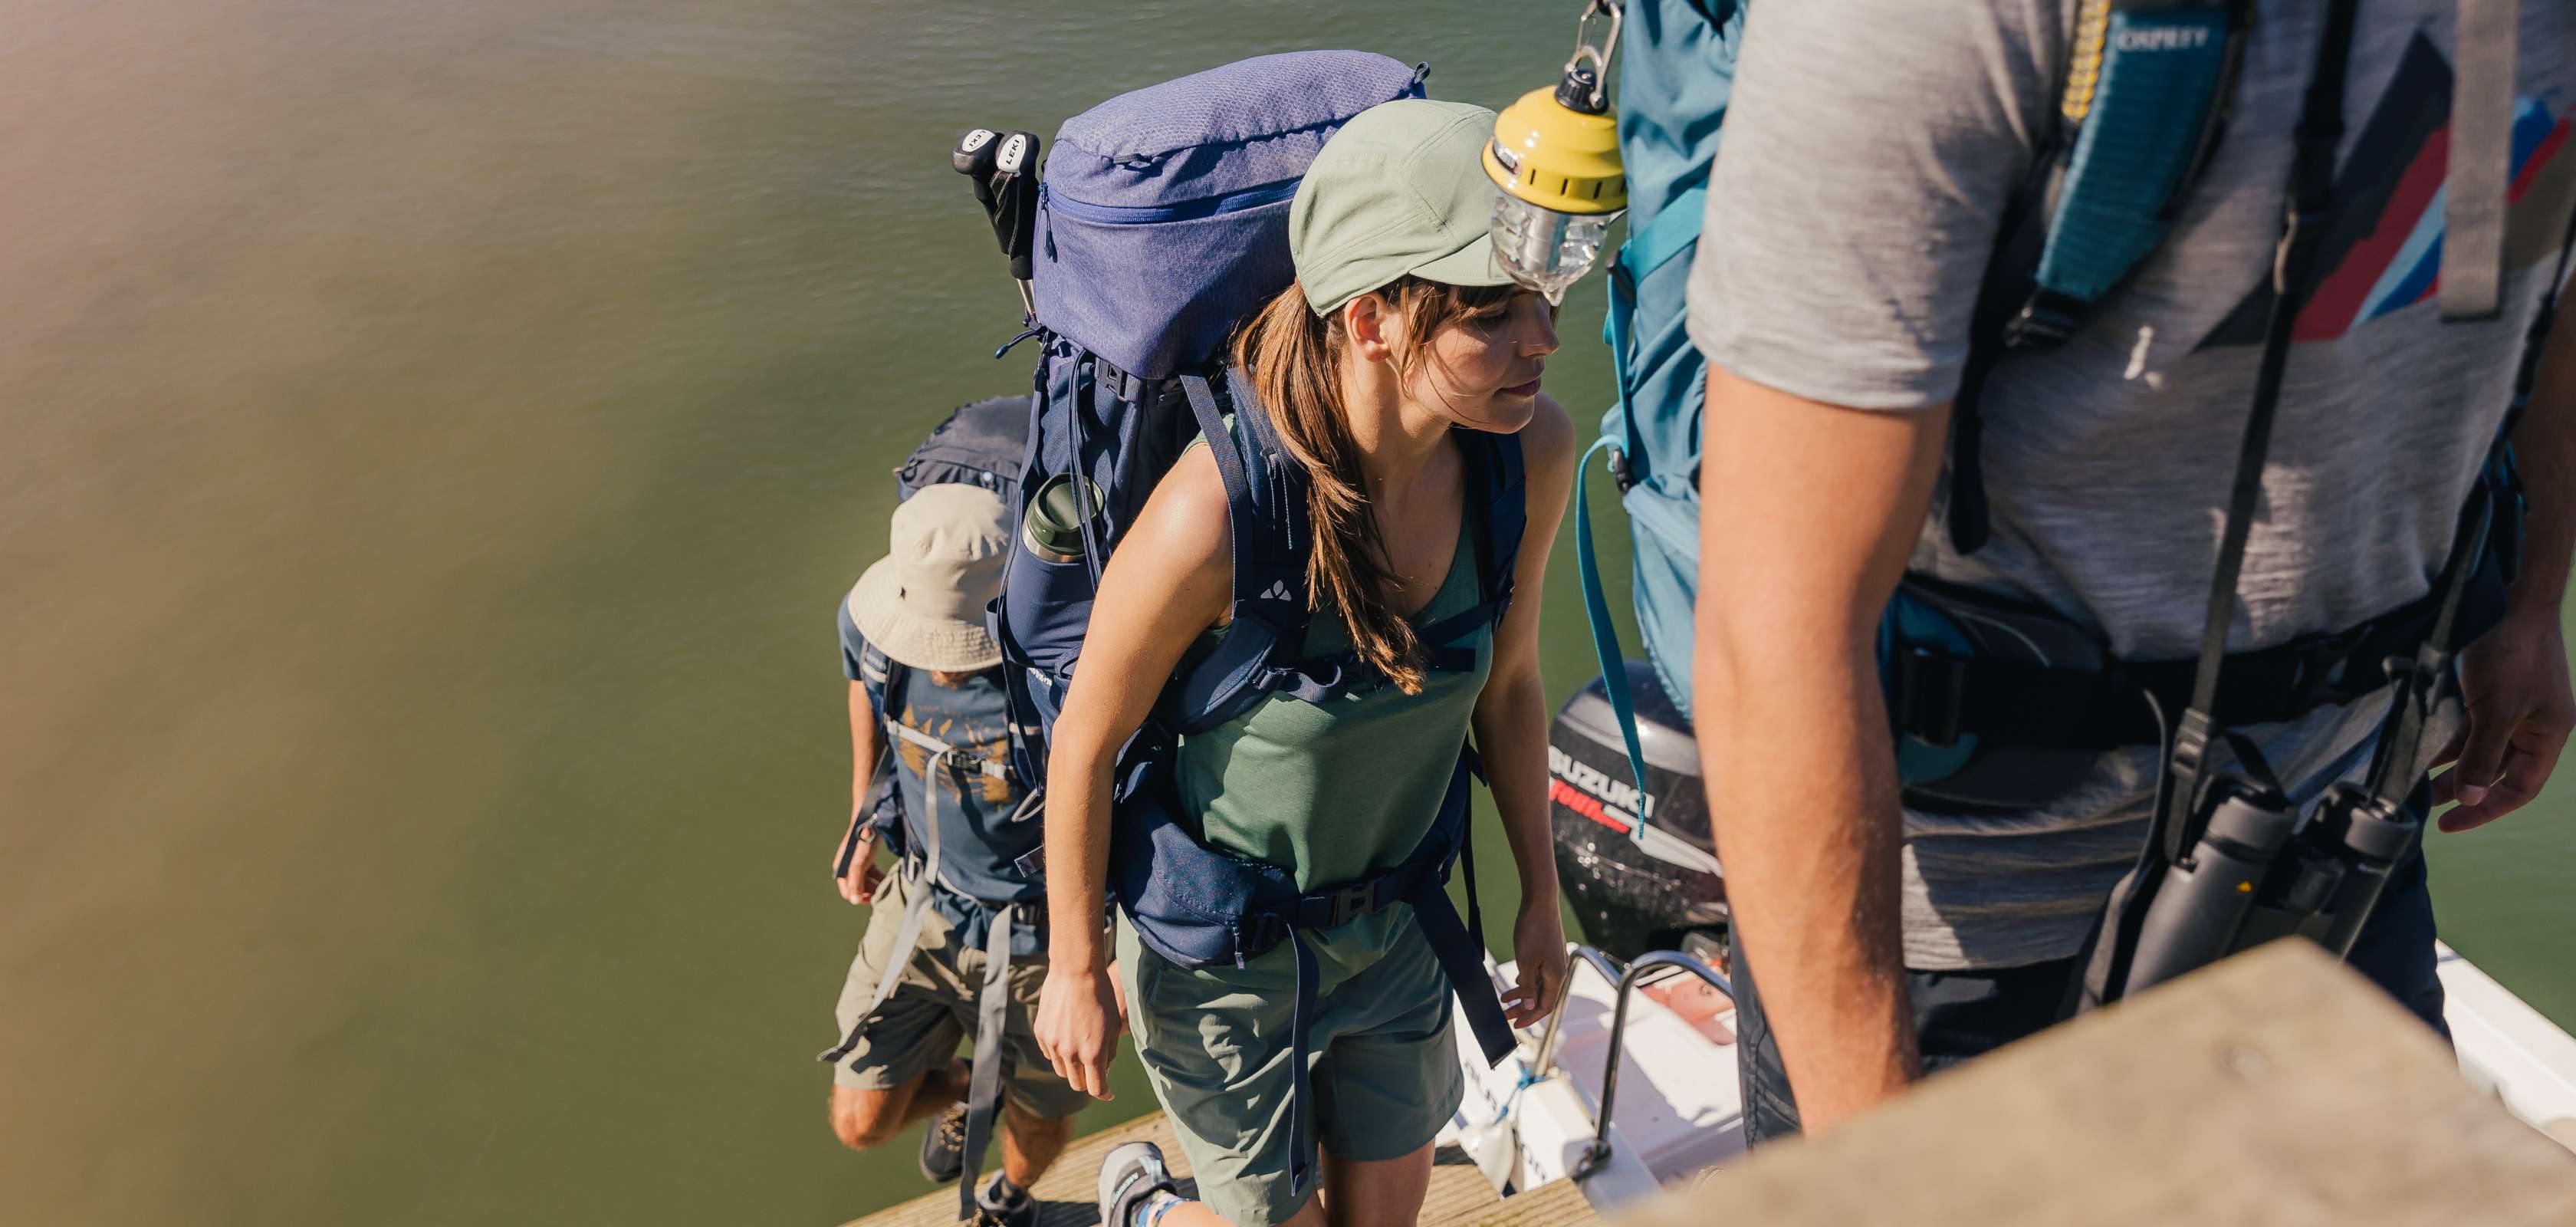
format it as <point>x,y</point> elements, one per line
<point>850,844</point>
<point>1605,634</point>
<point>2294,262</point>
<point>1448,630</point>
<point>1650,247</point>
<point>1654,245</point>
<point>1462,959</point>
<point>984,1084</point>
<point>1467,868</point>
<point>1086,498</point>
<point>918,877</point>
<point>938,749</point>
<point>1220,445</point>
<point>2477,183</point>
<point>1301,1091</point>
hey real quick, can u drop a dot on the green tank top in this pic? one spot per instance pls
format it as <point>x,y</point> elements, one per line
<point>1337,790</point>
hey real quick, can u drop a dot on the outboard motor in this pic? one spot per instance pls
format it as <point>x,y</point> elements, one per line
<point>1632,890</point>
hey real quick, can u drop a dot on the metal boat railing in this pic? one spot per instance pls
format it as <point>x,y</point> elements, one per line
<point>1626,977</point>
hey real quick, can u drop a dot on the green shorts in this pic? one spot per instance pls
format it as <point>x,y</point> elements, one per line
<point>1215,1044</point>
<point>932,1011</point>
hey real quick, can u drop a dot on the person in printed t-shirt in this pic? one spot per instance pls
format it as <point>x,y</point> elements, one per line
<point>1871,147</point>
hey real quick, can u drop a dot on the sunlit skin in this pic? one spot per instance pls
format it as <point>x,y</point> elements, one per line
<point>1170,581</point>
<point>866,1119</point>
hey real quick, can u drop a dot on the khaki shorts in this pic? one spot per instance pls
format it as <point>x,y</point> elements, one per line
<point>1215,1044</point>
<point>932,1012</point>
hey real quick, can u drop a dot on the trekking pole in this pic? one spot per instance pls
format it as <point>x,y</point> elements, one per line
<point>1015,208</point>
<point>1010,205</point>
<point>973,158</point>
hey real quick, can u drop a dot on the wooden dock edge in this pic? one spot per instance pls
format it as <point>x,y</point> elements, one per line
<point>2277,1088</point>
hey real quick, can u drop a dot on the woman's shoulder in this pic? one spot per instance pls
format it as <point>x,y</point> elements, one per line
<point>1186,516</point>
<point>1549,438</point>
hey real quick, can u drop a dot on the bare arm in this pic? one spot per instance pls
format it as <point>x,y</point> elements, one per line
<point>2515,676</point>
<point>2544,444</point>
<point>867,745</point>
<point>1167,583</point>
<point>1511,725</point>
<point>1808,514</point>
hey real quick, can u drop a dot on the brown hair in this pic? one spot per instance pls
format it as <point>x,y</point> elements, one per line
<point>1293,358</point>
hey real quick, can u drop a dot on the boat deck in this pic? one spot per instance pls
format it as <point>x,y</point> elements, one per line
<point>1459,1195</point>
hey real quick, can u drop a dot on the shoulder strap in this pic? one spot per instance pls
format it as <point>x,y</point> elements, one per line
<point>2294,275</point>
<point>883,677</point>
<point>2476,185</point>
<point>1266,511</point>
<point>1502,496</point>
<point>1264,502</point>
<point>2144,100</point>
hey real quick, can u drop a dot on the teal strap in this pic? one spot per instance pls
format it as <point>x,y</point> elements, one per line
<point>1605,635</point>
<point>1614,333</point>
<point>1670,234</point>
<point>1651,247</point>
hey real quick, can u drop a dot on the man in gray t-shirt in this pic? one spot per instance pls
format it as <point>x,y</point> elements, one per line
<point>1869,153</point>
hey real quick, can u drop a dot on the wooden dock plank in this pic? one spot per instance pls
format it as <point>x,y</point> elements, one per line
<point>1459,1195</point>
<point>2277,1088</point>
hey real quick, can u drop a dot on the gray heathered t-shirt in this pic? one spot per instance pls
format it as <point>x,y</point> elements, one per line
<point>1868,154</point>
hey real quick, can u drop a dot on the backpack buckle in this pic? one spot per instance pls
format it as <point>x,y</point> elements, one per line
<point>2045,322</point>
<point>1352,902</point>
<point>1931,694</point>
<point>2321,666</point>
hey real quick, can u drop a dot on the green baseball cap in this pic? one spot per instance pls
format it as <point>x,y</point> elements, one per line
<point>1400,189</point>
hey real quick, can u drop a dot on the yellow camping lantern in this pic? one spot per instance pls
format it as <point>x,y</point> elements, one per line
<point>1555,154</point>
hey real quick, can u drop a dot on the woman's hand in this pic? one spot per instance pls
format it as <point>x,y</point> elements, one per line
<point>859,884</point>
<point>1538,949</point>
<point>1075,1026</point>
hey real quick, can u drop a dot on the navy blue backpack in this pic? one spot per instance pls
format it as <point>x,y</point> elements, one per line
<point>979,443</point>
<point>1162,222</point>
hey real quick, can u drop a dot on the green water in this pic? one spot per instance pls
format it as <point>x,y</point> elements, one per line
<point>432,439</point>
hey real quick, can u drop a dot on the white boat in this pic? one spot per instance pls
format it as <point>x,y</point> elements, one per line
<point>1632,1086</point>
<point>1674,1109</point>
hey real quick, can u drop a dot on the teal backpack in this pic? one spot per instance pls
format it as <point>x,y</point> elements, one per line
<point>1995,705</point>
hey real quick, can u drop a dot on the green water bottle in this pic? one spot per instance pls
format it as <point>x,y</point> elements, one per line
<point>1052,530</point>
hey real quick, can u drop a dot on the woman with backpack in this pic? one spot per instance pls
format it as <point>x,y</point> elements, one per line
<point>1394,373</point>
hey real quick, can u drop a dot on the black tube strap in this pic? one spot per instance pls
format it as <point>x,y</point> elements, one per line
<point>2294,276</point>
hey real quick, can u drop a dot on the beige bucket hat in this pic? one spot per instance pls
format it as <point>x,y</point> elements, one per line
<point>923,603</point>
